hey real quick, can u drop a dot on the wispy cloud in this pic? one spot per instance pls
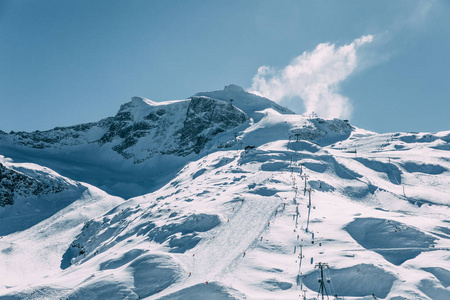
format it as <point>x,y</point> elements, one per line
<point>314,77</point>
<point>420,13</point>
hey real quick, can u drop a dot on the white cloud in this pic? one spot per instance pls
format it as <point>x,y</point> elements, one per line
<point>313,77</point>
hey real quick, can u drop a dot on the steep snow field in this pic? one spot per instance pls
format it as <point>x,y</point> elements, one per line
<point>249,217</point>
<point>35,234</point>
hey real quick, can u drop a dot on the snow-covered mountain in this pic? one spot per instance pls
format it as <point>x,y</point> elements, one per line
<point>145,140</point>
<point>250,198</point>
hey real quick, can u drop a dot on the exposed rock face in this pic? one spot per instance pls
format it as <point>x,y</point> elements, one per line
<point>205,118</point>
<point>180,128</point>
<point>14,184</point>
<point>59,137</point>
<point>323,131</point>
<point>142,128</point>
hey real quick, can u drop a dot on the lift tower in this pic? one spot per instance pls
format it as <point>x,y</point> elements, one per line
<point>322,289</point>
<point>310,190</point>
<point>305,177</point>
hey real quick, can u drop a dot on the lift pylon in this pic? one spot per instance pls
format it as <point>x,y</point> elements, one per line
<point>322,288</point>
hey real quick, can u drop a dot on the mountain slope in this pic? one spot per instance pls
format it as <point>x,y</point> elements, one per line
<point>47,212</point>
<point>30,194</point>
<point>251,213</point>
<point>238,219</point>
<point>148,139</point>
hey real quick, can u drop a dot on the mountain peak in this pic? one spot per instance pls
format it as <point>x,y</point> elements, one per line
<point>234,88</point>
<point>135,103</point>
<point>251,104</point>
<point>139,107</point>
<point>137,100</point>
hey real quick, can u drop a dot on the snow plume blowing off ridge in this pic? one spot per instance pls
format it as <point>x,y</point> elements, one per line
<point>313,77</point>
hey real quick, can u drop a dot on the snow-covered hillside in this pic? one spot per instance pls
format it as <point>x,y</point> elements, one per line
<point>255,204</point>
<point>145,139</point>
<point>45,213</point>
<point>30,194</point>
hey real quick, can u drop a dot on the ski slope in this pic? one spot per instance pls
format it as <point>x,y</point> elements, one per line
<point>238,222</point>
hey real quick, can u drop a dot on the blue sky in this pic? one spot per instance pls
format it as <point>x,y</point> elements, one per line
<point>68,62</point>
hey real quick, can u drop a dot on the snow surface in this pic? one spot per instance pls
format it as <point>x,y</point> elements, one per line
<point>248,217</point>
